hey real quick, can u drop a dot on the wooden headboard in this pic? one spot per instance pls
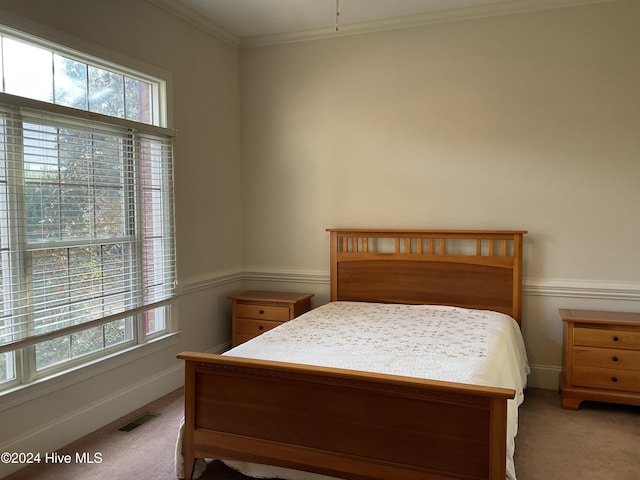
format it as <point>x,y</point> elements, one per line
<point>466,268</point>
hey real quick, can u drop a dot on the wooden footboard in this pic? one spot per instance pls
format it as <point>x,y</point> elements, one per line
<point>342,423</point>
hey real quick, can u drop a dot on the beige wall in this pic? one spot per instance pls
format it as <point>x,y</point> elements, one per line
<point>524,121</point>
<point>527,121</point>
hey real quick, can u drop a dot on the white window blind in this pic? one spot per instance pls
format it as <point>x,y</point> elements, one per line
<point>86,221</point>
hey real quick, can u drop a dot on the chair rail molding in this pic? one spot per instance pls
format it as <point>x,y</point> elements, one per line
<point>591,289</point>
<point>289,276</point>
<point>569,288</point>
<point>210,280</point>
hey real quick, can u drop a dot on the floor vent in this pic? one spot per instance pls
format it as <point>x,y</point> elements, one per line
<point>142,419</point>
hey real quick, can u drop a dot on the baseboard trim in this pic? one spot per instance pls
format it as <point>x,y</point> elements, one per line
<point>544,376</point>
<point>78,423</point>
<point>69,428</point>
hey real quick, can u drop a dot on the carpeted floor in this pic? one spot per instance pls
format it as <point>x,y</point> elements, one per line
<point>597,442</point>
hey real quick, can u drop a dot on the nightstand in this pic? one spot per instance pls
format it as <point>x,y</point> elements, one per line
<point>256,311</point>
<point>601,357</point>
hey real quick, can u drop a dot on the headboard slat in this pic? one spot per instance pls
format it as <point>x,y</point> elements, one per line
<point>459,271</point>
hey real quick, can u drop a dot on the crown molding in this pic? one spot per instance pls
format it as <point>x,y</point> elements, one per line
<point>410,21</point>
<point>192,17</point>
<point>419,20</point>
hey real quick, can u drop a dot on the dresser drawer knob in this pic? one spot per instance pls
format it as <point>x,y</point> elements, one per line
<point>615,359</point>
<point>615,339</point>
<point>614,379</point>
<point>260,327</point>
<point>261,312</point>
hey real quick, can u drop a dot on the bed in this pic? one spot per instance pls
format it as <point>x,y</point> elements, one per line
<point>346,405</point>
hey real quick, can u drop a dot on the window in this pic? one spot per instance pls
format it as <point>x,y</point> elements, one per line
<point>34,69</point>
<point>86,210</point>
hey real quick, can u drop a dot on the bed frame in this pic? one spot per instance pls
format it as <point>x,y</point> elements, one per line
<point>359,425</point>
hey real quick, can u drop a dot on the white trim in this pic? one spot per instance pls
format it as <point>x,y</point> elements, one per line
<point>78,373</point>
<point>567,288</point>
<point>75,114</point>
<point>409,21</point>
<point>211,280</point>
<point>68,428</point>
<point>78,423</point>
<point>290,276</point>
<point>83,49</point>
<point>197,20</point>
<point>544,376</point>
<point>79,46</point>
<point>419,20</point>
<point>592,289</point>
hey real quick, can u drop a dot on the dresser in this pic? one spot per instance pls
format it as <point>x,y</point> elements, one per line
<point>601,357</point>
<point>256,311</point>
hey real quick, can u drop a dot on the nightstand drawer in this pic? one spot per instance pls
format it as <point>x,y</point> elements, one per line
<point>268,312</point>
<point>256,311</point>
<point>601,357</point>
<point>606,378</point>
<point>607,358</point>
<point>246,326</point>
<point>604,337</point>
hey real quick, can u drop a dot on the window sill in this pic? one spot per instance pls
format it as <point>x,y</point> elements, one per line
<point>63,379</point>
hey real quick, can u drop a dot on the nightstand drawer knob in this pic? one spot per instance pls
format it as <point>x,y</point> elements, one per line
<point>260,327</point>
<point>615,339</point>
<point>614,379</point>
<point>261,312</point>
<point>615,359</point>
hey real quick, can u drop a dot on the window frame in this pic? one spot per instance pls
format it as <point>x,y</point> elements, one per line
<point>24,359</point>
<point>107,60</point>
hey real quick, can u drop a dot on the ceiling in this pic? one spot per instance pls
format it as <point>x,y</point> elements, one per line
<point>239,20</point>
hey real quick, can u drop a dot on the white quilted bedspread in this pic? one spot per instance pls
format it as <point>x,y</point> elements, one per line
<point>435,342</point>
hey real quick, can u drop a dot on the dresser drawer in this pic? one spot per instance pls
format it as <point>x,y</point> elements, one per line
<point>246,326</point>
<point>606,378</point>
<point>606,358</point>
<point>268,312</point>
<point>604,337</point>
